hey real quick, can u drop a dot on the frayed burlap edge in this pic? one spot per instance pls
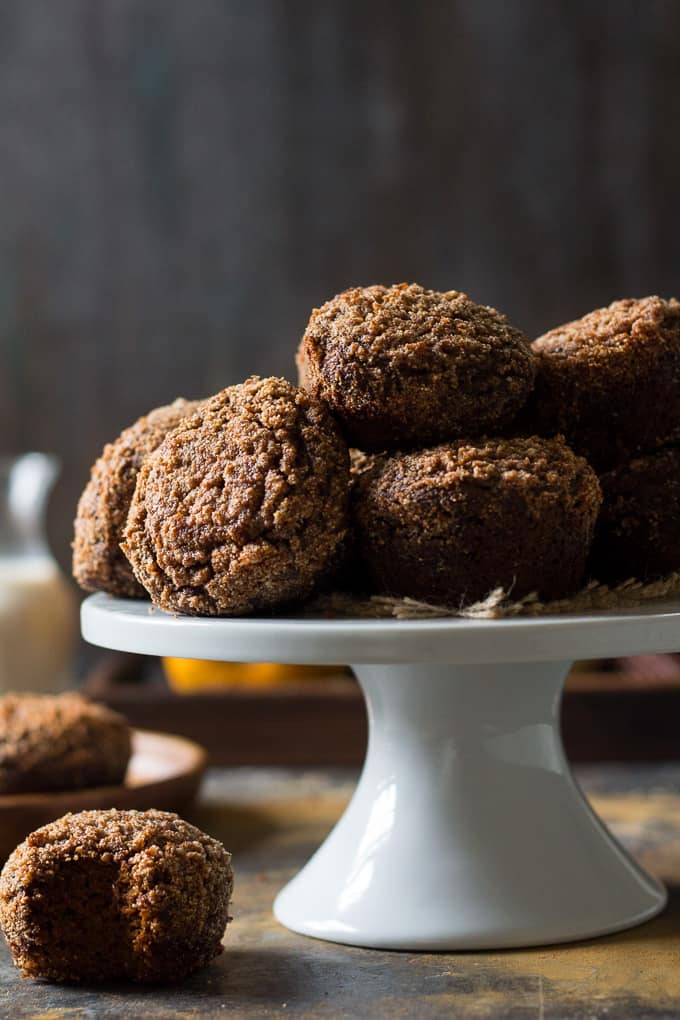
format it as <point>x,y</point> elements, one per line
<point>498,604</point>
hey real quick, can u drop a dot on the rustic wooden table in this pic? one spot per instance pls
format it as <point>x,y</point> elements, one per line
<point>273,819</point>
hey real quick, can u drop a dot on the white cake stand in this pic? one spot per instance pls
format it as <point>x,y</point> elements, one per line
<point>467,829</point>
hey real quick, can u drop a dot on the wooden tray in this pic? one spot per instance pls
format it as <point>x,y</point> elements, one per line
<point>164,772</point>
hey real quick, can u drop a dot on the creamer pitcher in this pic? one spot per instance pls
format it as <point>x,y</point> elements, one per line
<point>38,614</point>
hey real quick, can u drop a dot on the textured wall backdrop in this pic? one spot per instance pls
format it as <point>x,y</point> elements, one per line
<point>180,182</point>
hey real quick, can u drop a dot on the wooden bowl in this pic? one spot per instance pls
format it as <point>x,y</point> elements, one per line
<point>164,772</point>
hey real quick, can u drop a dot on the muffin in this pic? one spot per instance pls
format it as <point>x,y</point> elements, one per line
<point>610,382</point>
<point>638,531</point>
<point>115,894</point>
<point>243,507</point>
<point>448,525</point>
<point>404,366</point>
<point>60,742</point>
<point>98,563</point>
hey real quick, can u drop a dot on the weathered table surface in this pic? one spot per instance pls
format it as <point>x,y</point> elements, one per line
<point>273,819</point>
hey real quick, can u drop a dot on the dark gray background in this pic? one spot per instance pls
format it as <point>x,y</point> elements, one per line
<point>182,180</point>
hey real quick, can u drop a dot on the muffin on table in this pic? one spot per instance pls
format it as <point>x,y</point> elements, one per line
<point>60,742</point>
<point>243,507</point>
<point>100,895</point>
<point>403,366</point>
<point>638,530</point>
<point>449,524</point>
<point>98,562</point>
<point>610,381</point>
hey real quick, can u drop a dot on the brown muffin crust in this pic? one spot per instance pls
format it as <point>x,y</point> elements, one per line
<point>610,382</point>
<point>115,894</point>
<point>638,530</point>
<point>449,524</point>
<point>244,506</point>
<point>60,742</point>
<point>98,562</point>
<point>402,365</point>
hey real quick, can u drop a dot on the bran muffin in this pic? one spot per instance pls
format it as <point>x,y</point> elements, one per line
<point>448,525</point>
<point>404,366</point>
<point>610,382</point>
<point>98,562</point>
<point>60,742</point>
<point>112,894</point>
<point>638,530</point>
<point>243,507</point>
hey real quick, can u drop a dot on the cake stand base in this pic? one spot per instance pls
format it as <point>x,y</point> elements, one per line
<point>467,829</point>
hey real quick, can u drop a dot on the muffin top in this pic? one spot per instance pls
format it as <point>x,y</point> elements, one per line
<point>244,505</point>
<point>402,364</point>
<point>117,836</point>
<point>426,487</point>
<point>643,327</point>
<point>98,562</point>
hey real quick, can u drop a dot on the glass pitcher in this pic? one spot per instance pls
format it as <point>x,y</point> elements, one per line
<point>38,613</point>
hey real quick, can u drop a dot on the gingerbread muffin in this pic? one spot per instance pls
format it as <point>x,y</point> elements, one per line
<point>448,525</point>
<point>243,507</point>
<point>98,563</point>
<point>610,382</point>
<point>101,895</point>
<point>60,742</point>
<point>401,365</point>
<point>638,531</point>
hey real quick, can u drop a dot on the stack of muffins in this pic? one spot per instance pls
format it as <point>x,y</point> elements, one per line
<point>610,383</point>
<point>430,451</point>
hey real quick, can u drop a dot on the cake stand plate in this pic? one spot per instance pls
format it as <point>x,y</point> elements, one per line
<point>467,829</point>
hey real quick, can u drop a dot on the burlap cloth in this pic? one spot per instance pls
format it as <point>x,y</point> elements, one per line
<point>498,604</point>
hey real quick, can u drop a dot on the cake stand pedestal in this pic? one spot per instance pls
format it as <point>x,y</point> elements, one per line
<point>467,829</point>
